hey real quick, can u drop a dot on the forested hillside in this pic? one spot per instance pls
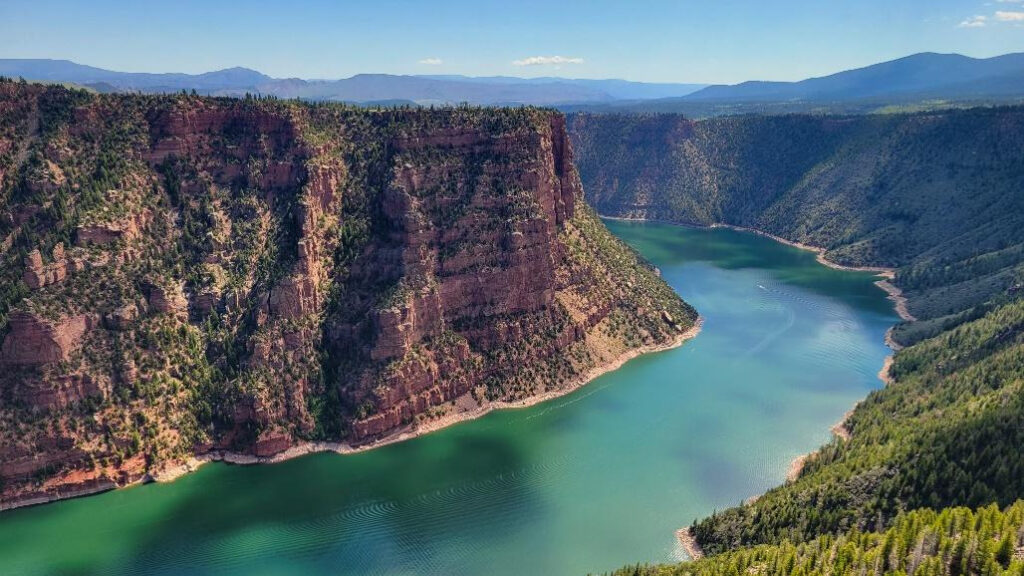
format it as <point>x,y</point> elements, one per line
<point>952,542</point>
<point>947,431</point>
<point>939,197</point>
<point>935,195</point>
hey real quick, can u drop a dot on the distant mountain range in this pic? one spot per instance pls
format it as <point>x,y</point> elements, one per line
<point>67,71</point>
<point>616,89</point>
<point>497,90</point>
<point>926,76</point>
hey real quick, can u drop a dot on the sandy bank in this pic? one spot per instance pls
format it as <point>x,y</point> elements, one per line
<point>884,374</point>
<point>689,543</point>
<point>797,466</point>
<point>899,304</point>
<point>890,342</point>
<point>840,429</point>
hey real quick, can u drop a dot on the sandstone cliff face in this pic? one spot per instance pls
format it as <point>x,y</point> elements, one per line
<point>251,274</point>
<point>36,340</point>
<point>473,267</point>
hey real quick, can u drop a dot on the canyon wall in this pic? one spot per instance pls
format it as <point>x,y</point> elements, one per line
<point>185,275</point>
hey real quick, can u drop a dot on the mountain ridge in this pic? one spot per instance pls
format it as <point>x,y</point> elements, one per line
<point>925,74</point>
<point>363,87</point>
<point>915,78</point>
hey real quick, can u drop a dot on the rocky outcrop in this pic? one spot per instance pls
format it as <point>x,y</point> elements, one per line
<point>167,298</point>
<point>35,340</point>
<point>57,392</point>
<point>412,388</point>
<point>122,317</point>
<point>206,301</point>
<point>54,450</point>
<point>271,444</point>
<point>185,130</point>
<point>103,233</point>
<point>62,265</point>
<point>294,297</point>
<point>38,274</point>
<point>400,326</point>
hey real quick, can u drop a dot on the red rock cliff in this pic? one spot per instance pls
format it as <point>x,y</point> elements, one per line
<point>250,274</point>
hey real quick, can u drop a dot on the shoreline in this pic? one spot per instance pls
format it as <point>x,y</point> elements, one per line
<point>415,430</point>
<point>895,293</point>
<point>689,543</point>
<point>840,429</point>
<point>797,466</point>
<point>884,271</point>
<point>899,305</point>
<point>892,344</point>
<point>173,472</point>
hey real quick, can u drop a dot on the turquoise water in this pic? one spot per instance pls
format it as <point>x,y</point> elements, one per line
<point>583,483</point>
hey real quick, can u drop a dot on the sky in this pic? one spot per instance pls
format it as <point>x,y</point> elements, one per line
<point>704,41</point>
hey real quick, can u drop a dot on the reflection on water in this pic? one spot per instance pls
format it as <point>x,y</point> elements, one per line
<point>584,483</point>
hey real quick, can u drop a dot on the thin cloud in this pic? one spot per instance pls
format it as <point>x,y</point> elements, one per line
<point>546,60</point>
<point>1009,1</point>
<point>431,61</point>
<point>973,22</point>
<point>1010,16</point>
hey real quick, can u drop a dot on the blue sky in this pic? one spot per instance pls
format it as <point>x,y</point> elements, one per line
<point>658,40</point>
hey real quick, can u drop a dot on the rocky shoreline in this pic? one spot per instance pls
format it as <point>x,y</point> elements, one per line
<point>689,543</point>
<point>797,466</point>
<point>78,491</point>
<point>426,427</point>
<point>175,471</point>
<point>899,304</point>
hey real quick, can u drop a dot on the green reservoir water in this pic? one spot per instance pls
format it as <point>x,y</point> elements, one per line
<point>584,483</point>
